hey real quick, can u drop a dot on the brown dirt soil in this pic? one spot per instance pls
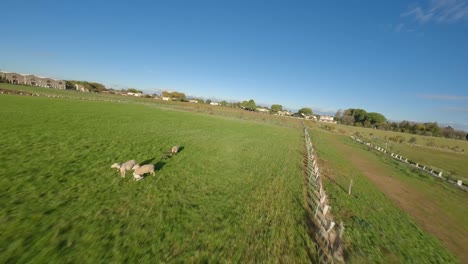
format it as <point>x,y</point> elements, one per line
<point>418,205</point>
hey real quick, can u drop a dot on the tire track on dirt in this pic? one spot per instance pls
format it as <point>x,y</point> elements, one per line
<point>419,206</point>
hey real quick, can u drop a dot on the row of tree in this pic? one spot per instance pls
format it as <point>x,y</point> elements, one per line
<point>361,118</point>
<point>91,86</point>
<point>174,95</point>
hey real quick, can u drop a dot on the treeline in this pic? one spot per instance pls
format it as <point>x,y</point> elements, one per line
<point>91,86</point>
<point>174,95</point>
<point>361,118</point>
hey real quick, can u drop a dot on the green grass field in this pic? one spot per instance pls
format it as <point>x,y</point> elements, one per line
<point>234,192</point>
<point>378,232</point>
<point>433,152</point>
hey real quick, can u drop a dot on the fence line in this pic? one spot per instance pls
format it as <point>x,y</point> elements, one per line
<point>425,168</point>
<point>328,235</point>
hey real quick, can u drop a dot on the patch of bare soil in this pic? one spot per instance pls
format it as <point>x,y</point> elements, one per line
<point>419,206</point>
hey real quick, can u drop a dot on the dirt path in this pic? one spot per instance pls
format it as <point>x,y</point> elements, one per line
<point>418,205</point>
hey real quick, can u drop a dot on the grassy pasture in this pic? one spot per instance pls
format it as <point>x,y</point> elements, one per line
<point>452,163</point>
<point>234,192</point>
<point>226,112</point>
<point>377,230</point>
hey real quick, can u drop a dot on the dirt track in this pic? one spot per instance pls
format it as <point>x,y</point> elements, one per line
<point>419,206</point>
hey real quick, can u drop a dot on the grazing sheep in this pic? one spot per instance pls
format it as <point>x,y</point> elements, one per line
<point>115,166</point>
<point>137,177</point>
<point>139,171</point>
<point>126,167</point>
<point>174,149</point>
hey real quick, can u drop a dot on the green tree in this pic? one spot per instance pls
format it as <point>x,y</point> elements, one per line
<point>223,103</point>
<point>306,111</point>
<point>133,90</point>
<point>275,108</point>
<point>69,85</point>
<point>208,101</point>
<point>200,101</point>
<point>175,95</point>
<point>338,115</point>
<point>376,118</point>
<point>251,105</point>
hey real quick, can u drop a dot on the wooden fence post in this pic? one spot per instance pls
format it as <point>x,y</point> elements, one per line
<point>350,186</point>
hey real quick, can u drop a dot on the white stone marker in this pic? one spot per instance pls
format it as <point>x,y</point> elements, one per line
<point>459,183</point>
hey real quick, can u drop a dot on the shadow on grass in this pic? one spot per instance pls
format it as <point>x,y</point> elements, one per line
<point>148,161</point>
<point>159,165</point>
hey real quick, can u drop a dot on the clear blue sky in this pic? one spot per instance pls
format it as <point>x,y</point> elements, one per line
<point>406,60</point>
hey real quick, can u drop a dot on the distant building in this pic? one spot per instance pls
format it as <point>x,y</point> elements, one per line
<point>135,94</point>
<point>193,101</point>
<point>327,119</point>
<point>164,98</point>
<point>33,80</point>
<point>284,113</point>
<point>263,110</point>
<point>214,103</point>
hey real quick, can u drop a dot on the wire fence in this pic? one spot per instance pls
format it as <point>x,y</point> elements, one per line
<point>425,168</point>
<point>327,234</point>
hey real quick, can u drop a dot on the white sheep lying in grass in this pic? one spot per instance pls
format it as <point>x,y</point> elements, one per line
<point>139,171</point>
<point>123,168</point>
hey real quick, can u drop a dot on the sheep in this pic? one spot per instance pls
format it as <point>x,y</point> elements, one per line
<point>174,149</point>
<point>139,171</point>
<point>115,166</point>
<point>126,167</point>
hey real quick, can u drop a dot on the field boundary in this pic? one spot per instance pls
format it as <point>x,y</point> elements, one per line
<point>328,235</point>
<point>425,168</point>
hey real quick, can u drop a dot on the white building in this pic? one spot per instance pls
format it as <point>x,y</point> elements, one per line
<point>284,113</point>
<point>263,110</point>
<point>327,119</point>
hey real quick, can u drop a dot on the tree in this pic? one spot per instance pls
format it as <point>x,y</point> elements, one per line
<point>306,111</point>
<point>223,103</point>
<point>133,90</point>
<point>91,86</point>
<point>338,115</point>
<point>208,101</point>
<point>175,95</point>
<point>251,105</point>
<point>244,104</point>
<point>376,118</point>
<point>275,108</point>
<point>200,101</point>
<point>466,136</point>
<point>69,85</point>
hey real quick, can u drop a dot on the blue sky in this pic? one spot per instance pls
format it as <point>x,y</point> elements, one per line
<point>405,59</point>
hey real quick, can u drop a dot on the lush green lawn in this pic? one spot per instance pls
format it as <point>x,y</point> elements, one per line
<point>234,192</point>
<point>377,230</point>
